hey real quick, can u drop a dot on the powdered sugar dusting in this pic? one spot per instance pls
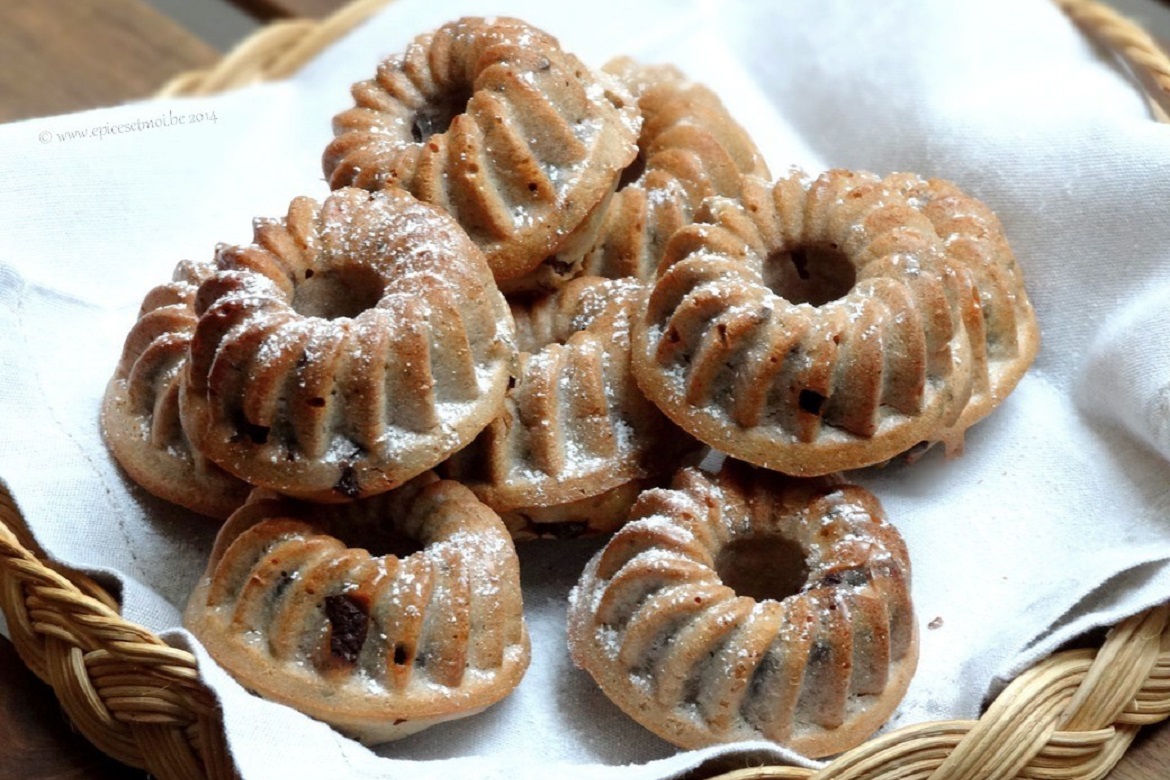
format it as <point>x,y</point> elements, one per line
<point>394,288</point>
<point>671,642</point>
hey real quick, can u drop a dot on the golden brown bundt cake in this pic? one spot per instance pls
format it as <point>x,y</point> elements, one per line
<point>824,325</point>
<point>140,411</point>
<point>354,345</point>
<point>377,645</point>
<point>749,605</point>
<point>690,148</point>
<point>492,121</point>
<point>575,424</point>
<point>1003,330</point>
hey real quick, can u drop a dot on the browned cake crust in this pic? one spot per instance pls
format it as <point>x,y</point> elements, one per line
<point>492,121</point>
<point>575,425</point>
<point>600,514</point>
<point>377,646</point>
<point>140,411</point>
<point>817,326</point>
<point>354,345</point>
<point>1002,326</point>
<point>690,148</point>
<point>750,605</point>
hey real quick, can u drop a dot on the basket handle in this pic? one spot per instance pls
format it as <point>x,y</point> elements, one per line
<point>1137,48</point>
<point>276,51</point>
<point>132,695</point>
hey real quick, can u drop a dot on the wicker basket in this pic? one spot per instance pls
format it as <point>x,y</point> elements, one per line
<point>1070,717</point>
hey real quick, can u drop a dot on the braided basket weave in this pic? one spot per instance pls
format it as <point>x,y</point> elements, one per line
<point>1070,717</point>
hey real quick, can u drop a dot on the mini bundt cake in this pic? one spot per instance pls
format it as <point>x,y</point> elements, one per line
<point>378,646</point>
<point>354,345</point>
<point>492,121</point>
<point>575,425</point>
<point>819,326</point>
<point>140,411</point>
<point>1004,334</point>
<point>749,605</point>
<point>690,148</point>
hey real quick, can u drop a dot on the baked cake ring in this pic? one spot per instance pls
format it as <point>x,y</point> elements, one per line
<point>750,605</point>
<point>377,645</point>
<point>140,410</point>
<point>490,120</point>
<point>690,148</point>
<point>1003,331</point>
<point>818,326</point>
<point>576,435</point>
<point>354,345</point>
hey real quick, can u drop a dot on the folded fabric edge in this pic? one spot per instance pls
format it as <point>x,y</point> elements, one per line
<point>1128,592</point>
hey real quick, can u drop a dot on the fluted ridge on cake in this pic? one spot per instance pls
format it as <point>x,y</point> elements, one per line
<point>378,645</point>
<point>140,410</point>
<point>690,148</point>
<point>492,121</point>
<point>575,424</point>
<point>1002,327</point>
<point>865,350</point>
<point>352,346</point>
<point>670,640</point>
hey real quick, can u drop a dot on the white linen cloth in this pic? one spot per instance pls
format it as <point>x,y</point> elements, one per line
<point>1052,522</point>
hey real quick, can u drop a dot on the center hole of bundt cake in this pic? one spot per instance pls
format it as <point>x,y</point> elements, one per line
<point>337,292</point>
<point>391,541</point>
<point>763,567</point>
<point>815,274</point>
<point>435,118</point>
<point>378,539</point>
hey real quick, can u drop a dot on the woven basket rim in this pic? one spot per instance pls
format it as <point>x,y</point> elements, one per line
<point>1070,716</point>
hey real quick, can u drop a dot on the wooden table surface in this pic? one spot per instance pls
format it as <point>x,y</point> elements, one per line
<point>127,52</point>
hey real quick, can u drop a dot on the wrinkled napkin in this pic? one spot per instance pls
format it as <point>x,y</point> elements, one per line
<point>1052,522</point>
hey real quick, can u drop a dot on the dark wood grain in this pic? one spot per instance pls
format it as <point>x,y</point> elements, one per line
<point>68,55</point>
<point>36,740</point>
<point>1148,758</point>
<point>284,9</point>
